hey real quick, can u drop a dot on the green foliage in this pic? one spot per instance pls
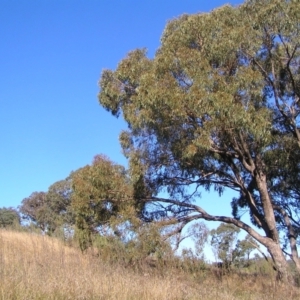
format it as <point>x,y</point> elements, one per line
<point>145,248</point>
<point>9,217</point>
<point>150,241</point>
<point>59,199</point>
<point>218,107</point>
<point>192,264</point>
<point>102,199</point>
<point>49,210</point>
<point>243,250</point>
<point>34,209</point>
<point>223,241</point>
<point>231,250</point>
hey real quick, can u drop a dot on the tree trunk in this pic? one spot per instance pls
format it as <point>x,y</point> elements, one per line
<point>292,238</point>
<point>273,245</point>
<point>261,181</point>
<point>281,264</point>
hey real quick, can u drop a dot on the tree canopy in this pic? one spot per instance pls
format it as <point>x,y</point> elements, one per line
<point>102,199</point>
<point>49,210</point>
<point>218,107</point>
<point>9,217</point>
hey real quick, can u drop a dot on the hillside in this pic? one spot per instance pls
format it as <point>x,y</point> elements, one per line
<point>39,267</point>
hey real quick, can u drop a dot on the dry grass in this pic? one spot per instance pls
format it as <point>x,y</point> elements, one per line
<point>37,267</point>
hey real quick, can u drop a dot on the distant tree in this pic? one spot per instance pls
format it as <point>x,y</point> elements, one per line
<point>49,210</point>
<point>218,107</point>
<point>229,249</point>
<point>8,217</point>
<point>199,233</point>
<point>243,249</point>
<point>223,240</point>
<point>34,209</point>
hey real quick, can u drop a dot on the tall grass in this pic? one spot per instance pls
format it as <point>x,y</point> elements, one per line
<point>39,267</point>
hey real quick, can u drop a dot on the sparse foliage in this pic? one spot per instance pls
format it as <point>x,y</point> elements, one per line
<point>199,234</point>
<point>223,240</point>
<point>243,249</point>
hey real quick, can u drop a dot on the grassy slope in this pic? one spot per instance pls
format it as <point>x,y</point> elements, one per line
<point>37,267</point>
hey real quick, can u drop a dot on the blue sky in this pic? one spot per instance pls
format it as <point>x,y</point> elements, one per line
<point>51,57</point>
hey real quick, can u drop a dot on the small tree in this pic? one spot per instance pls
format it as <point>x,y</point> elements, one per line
<point>102,199</point>
<point>49,210</point>
<point>9,217</point>
<point>243,250</point>
<point>199,234</point>
<point>223,241</point>
<point>34,209</point>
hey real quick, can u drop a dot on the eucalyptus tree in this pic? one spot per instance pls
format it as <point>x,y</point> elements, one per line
<point>49,210</point>
<point>243,250</point>
<point>229,249</point>
<point>218,107</point>
<point>223,242</point>
<point>105,206</point>
<point>34,209</point>
<point>102,199</point>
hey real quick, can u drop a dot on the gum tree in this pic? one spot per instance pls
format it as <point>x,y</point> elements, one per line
<point>102,199</point>
<point>218,107</point>
<point>223,242</point>
<point>49,210</point>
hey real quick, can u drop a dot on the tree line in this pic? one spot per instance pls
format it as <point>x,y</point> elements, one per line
<point>91,207</point>
<point>217,107</point>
